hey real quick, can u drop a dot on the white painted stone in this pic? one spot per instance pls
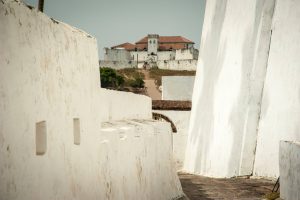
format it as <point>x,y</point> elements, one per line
<point>189,65</point>
<point>228,86</point>
<point>179,88</point>
<point>49,72</point>
<point>280,113</point>
<point>181,120</point>
<point>289,164</point>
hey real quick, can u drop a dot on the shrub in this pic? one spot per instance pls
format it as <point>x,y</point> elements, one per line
<point>110,78</point>
<point>138,82</point>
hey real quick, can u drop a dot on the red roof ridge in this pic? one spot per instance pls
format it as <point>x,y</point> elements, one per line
<point>167,39</point>
<point>122,45</point>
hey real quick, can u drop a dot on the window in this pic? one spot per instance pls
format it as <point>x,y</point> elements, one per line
<point>150,42</point>
<point>41,137</point>
<point>76,131</point>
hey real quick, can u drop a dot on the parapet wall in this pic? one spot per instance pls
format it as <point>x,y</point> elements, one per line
<point>289,163</point>
<point>246,94</point>
<point>118,64</point>
<point>52,145</point>
<point>189,65</point>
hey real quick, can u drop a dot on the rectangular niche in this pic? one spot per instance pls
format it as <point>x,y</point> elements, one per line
<point>76,131</point>
<point>41,137</point>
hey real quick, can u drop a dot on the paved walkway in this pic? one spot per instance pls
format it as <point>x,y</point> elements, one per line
<point>151,88</point>
<point>203,188</point>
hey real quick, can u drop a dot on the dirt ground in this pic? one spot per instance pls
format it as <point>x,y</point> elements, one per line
<point>151,88</point>
<point>203,188</point>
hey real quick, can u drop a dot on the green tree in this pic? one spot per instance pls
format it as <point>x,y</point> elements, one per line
<point>110,78</point>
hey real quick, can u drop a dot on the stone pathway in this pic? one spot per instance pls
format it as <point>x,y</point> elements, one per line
<point>203,188</point>
<point>151,88</point>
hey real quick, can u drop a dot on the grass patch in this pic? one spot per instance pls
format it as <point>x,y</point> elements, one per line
<point>272,196</point>
<point>130,73</point>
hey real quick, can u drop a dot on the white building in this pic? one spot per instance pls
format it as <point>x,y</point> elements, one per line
<point>164,52</point>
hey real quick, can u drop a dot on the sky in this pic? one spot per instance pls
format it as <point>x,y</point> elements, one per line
<point>114,22</point>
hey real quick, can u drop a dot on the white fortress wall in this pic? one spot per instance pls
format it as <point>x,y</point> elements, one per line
<point>178,88</point>
<point>289,162</point>
<point>139,56</point>
<point>181,120</point>
<point>228,86</point>
<point>280,112</point>
<point>117,55</point>
<point>184,54</point>
<point>165,55</point>
<point>118,64</point>
<point>190,65</point>
<point>52,145</point>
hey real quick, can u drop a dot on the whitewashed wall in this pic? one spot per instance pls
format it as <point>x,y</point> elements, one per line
<point>117,55</point>
<point>190,65</point>
<point>280,112</point>
<point>246,96</point>
<point>289,163</point>
<point>142,55</point>
<point>49,73</point>
<point>178,88</point>
<point>228,86</point>
<point>184,54</point>
<point>118,64</point>
<point>165,55</point>
<point>181,120</point>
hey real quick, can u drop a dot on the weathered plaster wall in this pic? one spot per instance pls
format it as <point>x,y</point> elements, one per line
<point>289,163</point>
<point>118,64</point>
<point>190,65</point>
<point>228,86</point>
<point>166,55</point>
<point>117,55</point>
<point>141,56</point>
<point>184,54</point>
<point>280,112</point>
<point>181,120</point>
<point>177,87</point>
<point>49,75</point>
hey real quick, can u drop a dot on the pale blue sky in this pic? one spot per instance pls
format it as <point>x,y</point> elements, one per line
<point>114,22</point>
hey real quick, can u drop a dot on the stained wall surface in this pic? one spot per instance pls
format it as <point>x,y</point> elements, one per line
<point>228,87</point>
<point>52,143</point>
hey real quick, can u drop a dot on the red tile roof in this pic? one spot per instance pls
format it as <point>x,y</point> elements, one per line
<point>167,39</point>
<point>127,46</point>
<point>164,43</point>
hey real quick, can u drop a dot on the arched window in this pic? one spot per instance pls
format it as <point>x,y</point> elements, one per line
<point>153,41</point>
<point>150,42</point>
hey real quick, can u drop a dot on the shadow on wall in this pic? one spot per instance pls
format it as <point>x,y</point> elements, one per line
<point>210,69</point>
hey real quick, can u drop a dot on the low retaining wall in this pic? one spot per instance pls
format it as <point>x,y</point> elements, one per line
<point>289,167</point>
<point>190,65</point>
<point>181,120</point>
<point>118,64</point>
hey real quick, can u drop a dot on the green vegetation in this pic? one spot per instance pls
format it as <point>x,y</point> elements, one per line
<point>118,79</point>
<point>110,78</point>
<point>156,74</point>
<point>271,196</point>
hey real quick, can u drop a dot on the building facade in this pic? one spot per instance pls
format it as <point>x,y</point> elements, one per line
<point>164,52</point>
